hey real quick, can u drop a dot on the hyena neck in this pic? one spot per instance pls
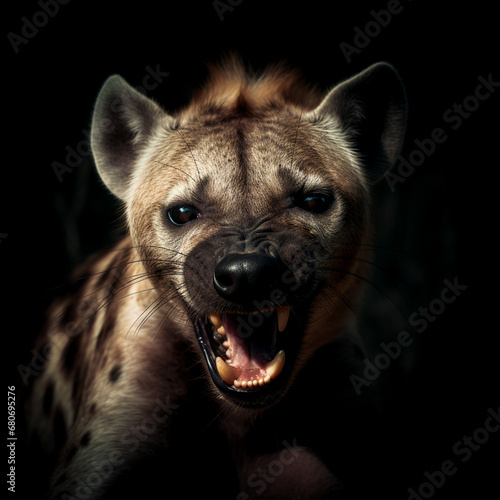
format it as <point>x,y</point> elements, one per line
<point>123,278</point>
<point>117,317</point>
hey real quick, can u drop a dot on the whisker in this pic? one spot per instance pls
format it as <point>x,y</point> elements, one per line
<point>163,299</point>
<point>387,249</point>
<point>375,265</point>
<point>176,168</point>
<point>174,307</point>
<point>190,151</point>
<point>111,297</point>
<point>153,306</point>
<point>366,280</point>
<point>340,296</point>
<point>311,147</point>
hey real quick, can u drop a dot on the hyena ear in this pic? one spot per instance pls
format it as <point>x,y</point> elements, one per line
<point>122,123</point>
<point>371,109</point>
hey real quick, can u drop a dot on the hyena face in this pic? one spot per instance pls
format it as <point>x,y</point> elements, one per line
<point>248,210</point>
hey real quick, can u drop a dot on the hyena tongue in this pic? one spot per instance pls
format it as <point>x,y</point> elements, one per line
<point>251,355</point>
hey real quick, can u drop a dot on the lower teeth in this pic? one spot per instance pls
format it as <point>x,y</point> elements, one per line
<point>250,384</point>
<point>231,374</point>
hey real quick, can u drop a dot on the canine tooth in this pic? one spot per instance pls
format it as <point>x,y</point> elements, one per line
<point>274,367</point>
<point>216,320</point>
<point>283,314</point>
<point>228,373</point>
<point>221,330</point>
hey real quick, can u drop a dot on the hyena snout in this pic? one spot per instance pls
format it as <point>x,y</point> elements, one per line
<point>244,278</point>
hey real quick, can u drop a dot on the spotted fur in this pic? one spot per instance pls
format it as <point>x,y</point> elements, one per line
<point>125,377</point>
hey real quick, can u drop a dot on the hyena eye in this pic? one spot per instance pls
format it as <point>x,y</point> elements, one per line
<point>316,203</point>
<point>182,214</point>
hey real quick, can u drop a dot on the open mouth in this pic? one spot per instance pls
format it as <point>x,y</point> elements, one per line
<point>249,355</point>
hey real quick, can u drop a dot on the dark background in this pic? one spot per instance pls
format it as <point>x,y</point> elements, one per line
<point>439,224</point>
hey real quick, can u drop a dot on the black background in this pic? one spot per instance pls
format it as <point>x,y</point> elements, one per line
<point>440,223</point>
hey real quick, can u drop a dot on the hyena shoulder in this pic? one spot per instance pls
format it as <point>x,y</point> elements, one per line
<point>217,328</point>
<point>93,355</point>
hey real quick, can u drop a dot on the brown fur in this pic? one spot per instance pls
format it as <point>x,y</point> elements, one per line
<point>124,343</point>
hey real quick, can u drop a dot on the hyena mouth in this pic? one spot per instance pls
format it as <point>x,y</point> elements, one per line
<point>249,352</point>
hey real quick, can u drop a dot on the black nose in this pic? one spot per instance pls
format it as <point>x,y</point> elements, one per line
<point>243,278</point>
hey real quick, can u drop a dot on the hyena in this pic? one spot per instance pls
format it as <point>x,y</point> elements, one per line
<point>194,349</point>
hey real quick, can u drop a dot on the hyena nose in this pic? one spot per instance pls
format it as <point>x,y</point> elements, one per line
<point>243,278</point>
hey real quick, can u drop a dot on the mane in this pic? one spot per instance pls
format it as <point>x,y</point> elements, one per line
<point>233,89</point>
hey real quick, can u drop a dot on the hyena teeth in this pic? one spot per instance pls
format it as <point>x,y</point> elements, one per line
<point>216,320</point>
<point>250,384</point>
<point>274,367</point>
<point>228,373</point>
<point>283,314</point>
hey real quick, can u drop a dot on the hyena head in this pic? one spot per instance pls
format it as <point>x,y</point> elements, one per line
<point>248,209</point>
